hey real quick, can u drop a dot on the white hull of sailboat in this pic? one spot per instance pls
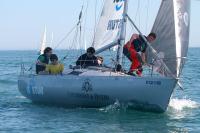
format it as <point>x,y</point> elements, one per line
<point>146,93</point>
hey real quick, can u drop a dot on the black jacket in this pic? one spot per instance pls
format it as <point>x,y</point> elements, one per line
<point>85,61</point>
<point>139,44</point>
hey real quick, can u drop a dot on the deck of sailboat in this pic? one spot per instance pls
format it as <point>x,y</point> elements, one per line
<point>96,71</point>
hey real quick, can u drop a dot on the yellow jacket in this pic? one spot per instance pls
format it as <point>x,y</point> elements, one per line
<point>54,69</point>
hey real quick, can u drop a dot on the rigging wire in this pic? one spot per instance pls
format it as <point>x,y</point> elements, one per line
<point>65,37</point>
<point>77,35</point>
<point>147,17</point>
<point>95,15</point>
<point>159,22</point>
<point>73,42</point>
<point>113,62</point>
<point>137,12</point>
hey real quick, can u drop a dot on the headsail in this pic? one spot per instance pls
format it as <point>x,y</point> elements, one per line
<point>172,29</point>
<point>108,28</point>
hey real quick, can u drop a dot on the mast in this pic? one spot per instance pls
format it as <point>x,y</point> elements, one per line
<point>122,34</point>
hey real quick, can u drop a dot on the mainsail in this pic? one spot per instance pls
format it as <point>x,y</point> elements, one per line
<point>109,26</point>
<point>172,29</point>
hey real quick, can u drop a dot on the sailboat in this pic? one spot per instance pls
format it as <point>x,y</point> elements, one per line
<point>98,86</point>
<point>44,41</point>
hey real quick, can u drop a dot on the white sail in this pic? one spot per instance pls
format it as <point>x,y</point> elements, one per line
<point>44,41</point>
<point>108,28</point>
<point>172,34</point>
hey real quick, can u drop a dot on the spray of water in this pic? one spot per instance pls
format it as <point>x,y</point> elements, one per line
<point>113,107</point>
<point>180,104</point>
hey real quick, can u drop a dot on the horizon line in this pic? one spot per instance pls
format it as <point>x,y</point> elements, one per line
<point>61,49</point>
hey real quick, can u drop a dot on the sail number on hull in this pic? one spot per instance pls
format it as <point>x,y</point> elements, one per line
<point>149,82</point>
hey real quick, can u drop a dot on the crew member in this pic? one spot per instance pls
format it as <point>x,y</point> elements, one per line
<point>87,59</point>
<point>43,60</point>
<point>135,50</point>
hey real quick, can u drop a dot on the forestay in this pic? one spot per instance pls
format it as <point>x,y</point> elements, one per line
<point>172,29</point>
<point>109,26</point>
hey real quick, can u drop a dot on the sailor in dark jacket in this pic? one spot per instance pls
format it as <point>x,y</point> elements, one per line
<point>43,60</point>
<point>87,59</point>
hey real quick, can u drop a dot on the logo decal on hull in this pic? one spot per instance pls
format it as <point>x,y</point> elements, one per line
<point>87,86</point>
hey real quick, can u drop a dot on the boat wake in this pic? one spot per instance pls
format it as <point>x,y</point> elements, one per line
<point>174,105</point>
<point>181,104</point>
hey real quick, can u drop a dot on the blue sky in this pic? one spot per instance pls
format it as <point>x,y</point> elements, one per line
<point>22,21</point>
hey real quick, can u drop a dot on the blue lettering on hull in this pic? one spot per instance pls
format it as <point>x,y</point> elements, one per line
<point>153,82</point>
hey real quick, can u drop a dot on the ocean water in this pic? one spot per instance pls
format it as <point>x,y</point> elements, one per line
<point>18,114</point>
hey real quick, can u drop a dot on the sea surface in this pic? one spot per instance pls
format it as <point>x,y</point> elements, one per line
<point>18,114</point>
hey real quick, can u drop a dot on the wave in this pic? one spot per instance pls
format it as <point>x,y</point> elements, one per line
<point>8,81</point>
<point>181,104</point>
<point>174,105</point>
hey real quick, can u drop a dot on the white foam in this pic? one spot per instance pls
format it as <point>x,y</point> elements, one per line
<point>113,107</point>
<point>20,97</point>
<point>180,104</point>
